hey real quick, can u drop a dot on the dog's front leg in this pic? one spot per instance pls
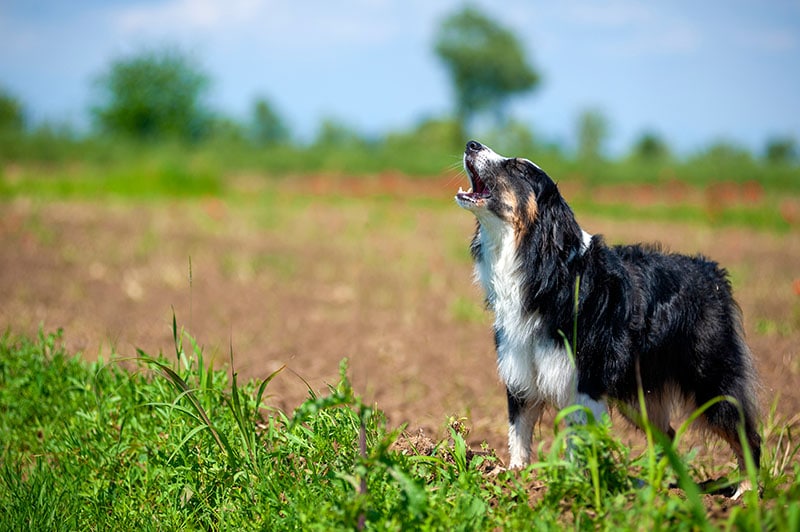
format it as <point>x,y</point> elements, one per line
<point>598,407</point>
<point>522,416</point>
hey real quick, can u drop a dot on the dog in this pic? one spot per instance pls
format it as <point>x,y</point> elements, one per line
<point>662,322</point>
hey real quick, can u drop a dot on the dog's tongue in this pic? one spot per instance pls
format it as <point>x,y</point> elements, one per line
<point>478,186</point>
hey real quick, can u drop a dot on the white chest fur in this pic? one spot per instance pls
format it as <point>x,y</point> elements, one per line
<point>533,366</point>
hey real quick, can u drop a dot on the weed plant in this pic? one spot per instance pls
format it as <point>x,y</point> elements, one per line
<point>175,444</point>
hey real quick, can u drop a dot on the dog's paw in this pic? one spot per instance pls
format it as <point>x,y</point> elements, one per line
<point>743,487</point>
<point>517,465</point>
<point>496,471</point>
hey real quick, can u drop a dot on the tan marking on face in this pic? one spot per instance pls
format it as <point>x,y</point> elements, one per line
<point>524,217</point>
<point>516,216</point>
<point>509,199</point>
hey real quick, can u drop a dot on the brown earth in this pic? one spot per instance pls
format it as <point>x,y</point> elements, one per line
<point>305,272</point>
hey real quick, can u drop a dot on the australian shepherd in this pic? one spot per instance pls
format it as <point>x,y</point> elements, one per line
<point>662,321</point>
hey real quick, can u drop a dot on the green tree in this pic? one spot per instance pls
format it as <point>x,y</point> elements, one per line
<point>12,117</point>
<point>650,147</point>
<point>154,95</point>
<point>486,63</point>
<point>268,127</point>
<point>592,132</point>
<point>781,150</point>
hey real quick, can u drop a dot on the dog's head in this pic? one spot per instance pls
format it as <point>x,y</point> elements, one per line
<point>507,190</point>
<point>515,194</point>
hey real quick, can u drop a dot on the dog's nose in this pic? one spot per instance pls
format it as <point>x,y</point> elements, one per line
<point>474,146</point>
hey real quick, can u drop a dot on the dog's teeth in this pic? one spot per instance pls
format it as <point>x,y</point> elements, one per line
<point>460,190</point>
<point>469,191</point>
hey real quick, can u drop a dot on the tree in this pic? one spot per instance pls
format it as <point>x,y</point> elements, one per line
<point>12,118</point>
<point>650,147</point>
<point>486,63</point>
<point>268,127</point>
<point>781,150</point>
<point>153,95</point>
<point>592,134</point>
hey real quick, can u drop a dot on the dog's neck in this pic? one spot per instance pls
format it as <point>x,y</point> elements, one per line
<point>497,266</point>
<point>497,257</point>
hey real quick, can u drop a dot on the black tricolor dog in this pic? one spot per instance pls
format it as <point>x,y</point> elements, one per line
<point>667,321</point>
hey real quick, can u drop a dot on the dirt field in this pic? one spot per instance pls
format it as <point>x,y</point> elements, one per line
<point>307,272</point>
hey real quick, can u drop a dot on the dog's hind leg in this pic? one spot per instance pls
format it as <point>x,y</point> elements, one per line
<point>659,411</point>
<point>728,418</point>
<point>522,416</point>
<point>724,420</point>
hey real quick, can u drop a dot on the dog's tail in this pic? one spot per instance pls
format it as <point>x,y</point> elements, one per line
<point>726,418</point>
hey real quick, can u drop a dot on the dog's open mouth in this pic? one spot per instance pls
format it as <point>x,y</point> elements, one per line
<point>478,192</point>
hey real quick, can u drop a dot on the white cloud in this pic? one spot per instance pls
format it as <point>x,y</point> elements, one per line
<point>198,15</point>
<point>276,22</point>
<point>627,28</point>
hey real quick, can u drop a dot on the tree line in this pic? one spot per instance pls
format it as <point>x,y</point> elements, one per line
<point>161,94</point>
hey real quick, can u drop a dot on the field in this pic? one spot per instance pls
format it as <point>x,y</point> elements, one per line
<point>304,272</point>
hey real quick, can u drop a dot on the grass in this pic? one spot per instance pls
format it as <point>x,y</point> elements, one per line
<point>152,174</point>
<point>164,173</point>
<point>763,216</point>
<point>175,444</point>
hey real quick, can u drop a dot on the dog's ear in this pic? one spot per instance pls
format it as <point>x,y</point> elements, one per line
<point>558,237</point>
<point>557,220</point>
<point>548,250</point>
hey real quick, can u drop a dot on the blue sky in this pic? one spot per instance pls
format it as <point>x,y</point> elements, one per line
<point>693,72</point>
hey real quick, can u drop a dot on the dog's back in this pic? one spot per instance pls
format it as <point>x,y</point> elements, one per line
<point>670,323</point>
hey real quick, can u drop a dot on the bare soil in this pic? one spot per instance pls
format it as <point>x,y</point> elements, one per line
<point>306,272</point>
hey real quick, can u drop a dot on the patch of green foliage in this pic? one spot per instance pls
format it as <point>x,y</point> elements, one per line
<point>115,170</point>
<point>754,217</point>
<point>176,444</point>
<point>95,169</point>
<point>54,161</point>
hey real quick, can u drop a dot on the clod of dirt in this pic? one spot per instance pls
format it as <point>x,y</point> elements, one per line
<point>419,444</point>
<point>414,444</point>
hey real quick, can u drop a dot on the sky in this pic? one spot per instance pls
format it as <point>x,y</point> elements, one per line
<point>692,72</point>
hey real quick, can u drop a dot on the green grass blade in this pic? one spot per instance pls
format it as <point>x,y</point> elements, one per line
<point>176,339</point>
<point>184,388</point>
<point>263,386</point>
<point>191,434</point>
